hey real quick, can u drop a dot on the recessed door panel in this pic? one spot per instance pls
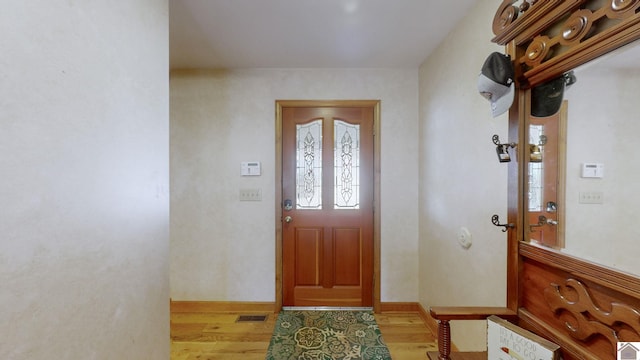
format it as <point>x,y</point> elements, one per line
<point>308,250</point>
<point>348,265</point>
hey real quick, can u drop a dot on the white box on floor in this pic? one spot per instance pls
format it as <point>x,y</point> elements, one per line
<point>506,341</point>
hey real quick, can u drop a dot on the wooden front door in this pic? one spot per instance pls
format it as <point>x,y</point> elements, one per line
<point>327,207</point>
<point>546,178</point>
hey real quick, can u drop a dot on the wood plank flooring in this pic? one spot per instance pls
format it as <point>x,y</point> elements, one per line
<point>217,335</point>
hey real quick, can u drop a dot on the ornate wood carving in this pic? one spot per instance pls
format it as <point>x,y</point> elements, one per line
<point>578,305</point>
<point>553,37</point>
<point>617,281</point>
<point>589,318</point>
<point>580,29</point>
<point>522,22</point>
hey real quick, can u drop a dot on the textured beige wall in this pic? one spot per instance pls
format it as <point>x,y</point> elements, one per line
<point>84,130</point>
<point>461,181</point>
<point>223,249</point>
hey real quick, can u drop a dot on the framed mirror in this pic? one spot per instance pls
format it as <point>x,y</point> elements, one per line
<point>583,165</point>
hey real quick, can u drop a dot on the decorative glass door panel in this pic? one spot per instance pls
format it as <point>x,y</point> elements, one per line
<point>309,165</point>
<point>346,153</point>
<point>536,168</point>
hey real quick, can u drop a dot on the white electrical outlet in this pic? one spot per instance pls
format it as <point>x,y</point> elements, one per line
<point>250,195</point>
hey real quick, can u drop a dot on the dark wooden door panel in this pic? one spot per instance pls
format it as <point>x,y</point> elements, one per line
<point>348,249</point>
<point>308,245</point>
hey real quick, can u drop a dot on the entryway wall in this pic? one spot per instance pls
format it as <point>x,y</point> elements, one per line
<point>223,249</point>
<point>462,183</point>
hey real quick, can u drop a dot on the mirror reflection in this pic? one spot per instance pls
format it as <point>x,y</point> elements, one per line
<point>583,165</point>
<point>546,219</point>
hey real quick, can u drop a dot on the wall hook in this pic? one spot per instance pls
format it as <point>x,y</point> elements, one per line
<point>495,219</point>
<point>502,149</point>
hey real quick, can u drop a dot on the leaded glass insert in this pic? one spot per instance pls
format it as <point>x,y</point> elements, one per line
<point>536,171</point>
<point>346,153</point>
<point>309,165</point>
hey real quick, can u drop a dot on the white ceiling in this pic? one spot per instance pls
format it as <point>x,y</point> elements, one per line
<point>309,33</point>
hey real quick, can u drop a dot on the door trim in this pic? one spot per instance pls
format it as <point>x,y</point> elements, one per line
<point>375,104</point>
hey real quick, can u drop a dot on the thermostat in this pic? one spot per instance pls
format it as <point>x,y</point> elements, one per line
<point>250,168</point>
<point>592,170</point>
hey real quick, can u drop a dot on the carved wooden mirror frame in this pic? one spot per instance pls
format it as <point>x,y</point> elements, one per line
<point>582,306</point>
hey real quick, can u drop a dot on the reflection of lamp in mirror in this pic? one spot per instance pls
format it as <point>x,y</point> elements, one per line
<point>535,153</point>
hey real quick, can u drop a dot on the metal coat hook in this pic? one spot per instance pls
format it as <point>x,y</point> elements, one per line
<point>502,149</point>
<point>495,219</point>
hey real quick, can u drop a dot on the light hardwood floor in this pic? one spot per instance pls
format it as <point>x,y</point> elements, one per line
<point>217,335</point>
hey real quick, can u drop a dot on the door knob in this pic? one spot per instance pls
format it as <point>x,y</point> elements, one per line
<point>552,222</point>
<point>288,219</point>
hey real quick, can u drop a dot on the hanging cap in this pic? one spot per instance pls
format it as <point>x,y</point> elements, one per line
<point>496,82</point>
<point>546,98</point>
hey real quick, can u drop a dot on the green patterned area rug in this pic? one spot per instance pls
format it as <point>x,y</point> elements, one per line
<point>327,335</point>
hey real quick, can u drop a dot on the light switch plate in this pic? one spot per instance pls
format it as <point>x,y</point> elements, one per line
<point>591,197</point>
<point>250,194</point>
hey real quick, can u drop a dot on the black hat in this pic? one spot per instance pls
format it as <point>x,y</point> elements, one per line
<point>496,82</point>
<point>546,99</point>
